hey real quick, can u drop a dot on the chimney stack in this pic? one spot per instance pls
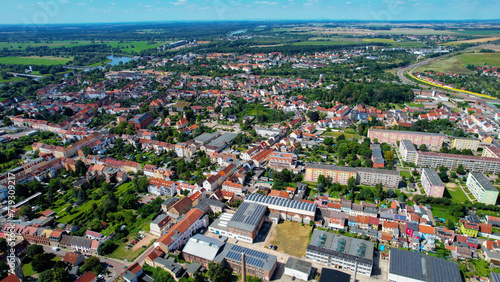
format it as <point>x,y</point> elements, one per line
<point>243,267</point>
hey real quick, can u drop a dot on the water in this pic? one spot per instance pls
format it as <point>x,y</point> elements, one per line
<point>115,60</point>
<point>238,32</point>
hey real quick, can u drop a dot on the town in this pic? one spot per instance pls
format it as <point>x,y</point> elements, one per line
<point>189,161</point>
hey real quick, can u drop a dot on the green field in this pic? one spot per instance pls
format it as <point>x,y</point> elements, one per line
<point>414,105</point>
<point>347,134</point>
<point>455,193</point>
<point>51,44</point>
<point>138,46</point>
<point>406,174</point>
<point>382,40</point>
<point>458,64</point>
<point>327,43</point>
<point>35,60</point>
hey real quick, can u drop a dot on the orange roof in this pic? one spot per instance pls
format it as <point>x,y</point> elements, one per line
<point>155,253</point>
<point>362,219</point>
<point>191,217</point>
<point>485,228</point>
<point>70,257</point>
<point>427,229</point>
<point>389,224</point>
<point>334,205</point>
<point>87,277</point>
<point>278,193</point>
<point>135,268</point>
<point>11,278</point>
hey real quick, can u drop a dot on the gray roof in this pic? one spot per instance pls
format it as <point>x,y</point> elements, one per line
<point>433,176</point>
<point>483,181</point>
<point>247,216</point>
<point>252,257</point>
<point>422,267</point>
<point>299,265</point>
<point>203,247</point>
<point>225,138</point>
<point>82,242</point>
<point>408,145</point>
<point>193,267</point>
<point>266,200</point>
<point>205,137</point>
<point>159,218</point>
<point>170,201</point>
<point>202,205</point>
<point>341,246</point>
<point>495,277</point>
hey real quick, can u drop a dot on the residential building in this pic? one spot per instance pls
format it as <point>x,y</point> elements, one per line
<point>406,266</point>
<point>407,151</point>
<point>452,161</point>
<point>178,235</point>
<point>363,176</point>
<point>465,143</point>
<point>418,138</point>
<point>469,228</point>
<point>482,189</point>
<point>432,184</point>
<point>338,250</point>
<point>159,225</point>
<point>141,121</point>
<point>180,207</point>
<point>160,187</point>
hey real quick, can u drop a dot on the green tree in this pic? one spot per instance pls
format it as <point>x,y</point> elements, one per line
<point>3,245</point>
<point>34,250</point>
<point>92,264</point>
<point>460,169</point>
<point>389,158</point>
<point>87,151</point>
<point>4,270</point>
<point>40,262</point>
<point>80,168</point>
<point>351,185</point>
<point>423,147</point>
<point>218,273</point>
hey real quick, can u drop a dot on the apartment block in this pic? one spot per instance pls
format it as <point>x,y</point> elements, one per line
<point>418,138</point>
<point>363,176</point>
<point>407,151</point>
<point>465,143</point>
<point>452,161</point>
<point>432,183</point>
<point>482,188</point>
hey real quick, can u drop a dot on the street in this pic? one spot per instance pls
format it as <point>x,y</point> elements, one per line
<point>114,266</point>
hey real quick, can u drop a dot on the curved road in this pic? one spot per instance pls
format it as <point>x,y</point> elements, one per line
<point>410,68</point>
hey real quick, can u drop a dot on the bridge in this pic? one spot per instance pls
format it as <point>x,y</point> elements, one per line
<point>24,75</point>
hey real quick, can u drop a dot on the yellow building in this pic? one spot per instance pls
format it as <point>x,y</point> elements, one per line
<point>465,143</point>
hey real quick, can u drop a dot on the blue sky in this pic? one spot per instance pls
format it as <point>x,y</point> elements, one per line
<point>86,11</point>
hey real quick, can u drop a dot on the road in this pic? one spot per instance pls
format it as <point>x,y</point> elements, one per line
<point>410,68</point>
<point>114,266</point>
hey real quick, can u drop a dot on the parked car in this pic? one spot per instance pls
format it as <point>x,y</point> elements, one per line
<point>275,247</point>
<point>270,246</point>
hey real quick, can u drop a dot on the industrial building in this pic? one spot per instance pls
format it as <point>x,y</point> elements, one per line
<point>341,251</point>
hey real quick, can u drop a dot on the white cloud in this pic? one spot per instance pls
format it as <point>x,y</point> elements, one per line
<point>179,2</point>
<point>265,2</point>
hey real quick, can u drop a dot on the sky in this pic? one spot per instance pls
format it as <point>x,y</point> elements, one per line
<point>94,11</point>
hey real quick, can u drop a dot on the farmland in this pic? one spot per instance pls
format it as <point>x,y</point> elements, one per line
<point>458,64</point>
<point>35,60</point>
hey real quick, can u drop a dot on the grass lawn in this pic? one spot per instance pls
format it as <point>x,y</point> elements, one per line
<point>120,190</point>
<point>12,79</point>
<point>27,148</point>
<point>292,238</point>
<point>327,43</point>
<point>482,267</point>
<point>338,133</point>
<point>406,174</point>
<point>35,60</point>
<point>455,193</point>
<point>455,110</point>
<point>28,270</point>
<point>414,105</point>
<point>122,253</point>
